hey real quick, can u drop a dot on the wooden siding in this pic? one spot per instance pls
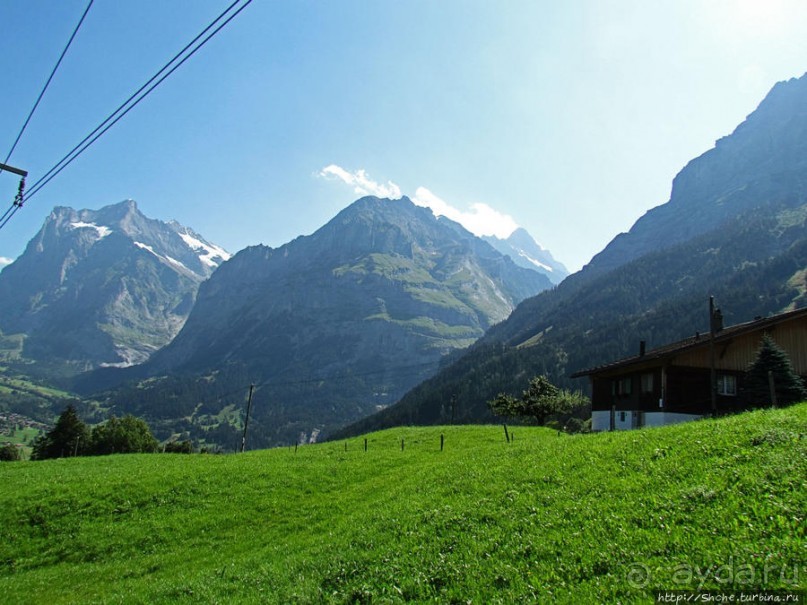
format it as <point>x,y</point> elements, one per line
<point>687,374</point>
<point>739,352</point>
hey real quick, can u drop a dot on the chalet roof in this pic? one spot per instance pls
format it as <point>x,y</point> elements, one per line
<point>694,342</point>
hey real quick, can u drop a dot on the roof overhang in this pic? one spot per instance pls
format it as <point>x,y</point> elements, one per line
<point>658,356</point>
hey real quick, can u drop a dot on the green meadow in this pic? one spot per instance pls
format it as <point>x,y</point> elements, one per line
<point>602,518</point>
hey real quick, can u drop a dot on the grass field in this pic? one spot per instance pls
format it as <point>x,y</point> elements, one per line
<point>600,518</point>
<point>25,436</point>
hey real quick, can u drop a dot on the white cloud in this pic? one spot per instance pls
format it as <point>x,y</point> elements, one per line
<point>480,219</point>
<point>4,260</point>
<point>362,184</point>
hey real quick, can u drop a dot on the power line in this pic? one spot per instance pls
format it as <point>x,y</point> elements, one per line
<point>44,88</point>
<point>18,200</point>
<point>132,102</point>
<point>149,86</point>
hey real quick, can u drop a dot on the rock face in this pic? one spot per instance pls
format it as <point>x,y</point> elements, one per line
<point>735,227</point>
<point>103,287</point>
<point>335,324</point>
<point>522,248</point>
<point>763,162</point>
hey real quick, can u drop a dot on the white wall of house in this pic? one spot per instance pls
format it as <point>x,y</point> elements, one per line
<point>601,419</point>
<point>623,420</point>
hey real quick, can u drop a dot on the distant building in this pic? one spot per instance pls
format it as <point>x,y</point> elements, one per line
<point>673,383</point>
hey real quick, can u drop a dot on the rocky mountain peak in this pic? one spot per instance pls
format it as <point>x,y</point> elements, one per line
<point>339,322</point>
<point>107,286</point>
<point>762,163</point>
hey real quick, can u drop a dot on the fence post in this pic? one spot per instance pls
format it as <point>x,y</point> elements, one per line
<point>506,434</point>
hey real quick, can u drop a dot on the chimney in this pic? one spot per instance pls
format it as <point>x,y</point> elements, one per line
<point>715,317</point>
<point>642,348</point>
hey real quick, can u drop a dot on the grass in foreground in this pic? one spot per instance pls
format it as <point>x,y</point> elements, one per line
<point>579,519</point>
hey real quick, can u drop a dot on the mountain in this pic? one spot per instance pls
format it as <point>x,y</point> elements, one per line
<point>762,163</point>
<point>735,227</point>
<point>330,326</point>
<point>102,287</point>
<point>522,248</point>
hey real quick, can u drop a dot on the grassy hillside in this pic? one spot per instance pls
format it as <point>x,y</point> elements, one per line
<point>578,519</point>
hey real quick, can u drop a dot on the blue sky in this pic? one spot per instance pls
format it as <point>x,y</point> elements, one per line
<point>569,118</point>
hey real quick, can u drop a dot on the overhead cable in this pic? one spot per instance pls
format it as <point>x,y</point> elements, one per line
<point>44,88</point>
<point>18,200</point>
<point>157,79</point>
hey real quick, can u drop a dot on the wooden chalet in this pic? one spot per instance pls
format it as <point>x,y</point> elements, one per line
<point>673,383</point>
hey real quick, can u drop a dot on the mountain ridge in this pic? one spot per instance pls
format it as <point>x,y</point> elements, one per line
<point>332,324</point>
<point>735,227</point>
<point>764,157</point>
<point>103,287</point>
<point>526,252</point>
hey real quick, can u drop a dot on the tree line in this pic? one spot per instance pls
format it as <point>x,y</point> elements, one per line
<point>72,437</point>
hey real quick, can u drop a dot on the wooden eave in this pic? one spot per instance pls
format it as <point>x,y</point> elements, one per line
<point>667,352</point>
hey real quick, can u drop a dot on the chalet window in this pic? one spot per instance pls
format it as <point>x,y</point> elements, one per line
<point>726,385</point>
<point>622,386</point>
<point>622,416</point>
<point>625,386</point>
<point>647,383</point>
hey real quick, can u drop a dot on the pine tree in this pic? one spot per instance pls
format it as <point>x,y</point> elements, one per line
<point>69,437</point>
<point>788,385</point>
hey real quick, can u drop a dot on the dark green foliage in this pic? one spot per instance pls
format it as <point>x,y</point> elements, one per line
<point>179,447</point>
<point>9,453</point>
<point>127,435</point>
<point>70,437</point>
<point>539,401</point>
<point>772,359</point>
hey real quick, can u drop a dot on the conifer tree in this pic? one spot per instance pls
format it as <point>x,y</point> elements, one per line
<point>69,437</point>
<point>788,385</point>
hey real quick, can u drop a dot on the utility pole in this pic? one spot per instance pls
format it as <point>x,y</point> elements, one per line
<point>715,325</point>
<point>246,421</point>
<point>18,199</point>
<point>17,171</point>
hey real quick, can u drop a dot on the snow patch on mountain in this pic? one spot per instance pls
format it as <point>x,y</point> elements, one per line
<point>207,252</point>
<point>174,261</point>
<point>147,247</point>
<point>100,229</point>
<point>537,263</point>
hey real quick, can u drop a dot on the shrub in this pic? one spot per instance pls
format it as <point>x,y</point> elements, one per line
<point>9,452</point>
<point>178,447</point>
<point>127,435</point>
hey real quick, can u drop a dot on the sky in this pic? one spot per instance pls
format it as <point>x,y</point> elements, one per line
<point>568,118</point>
